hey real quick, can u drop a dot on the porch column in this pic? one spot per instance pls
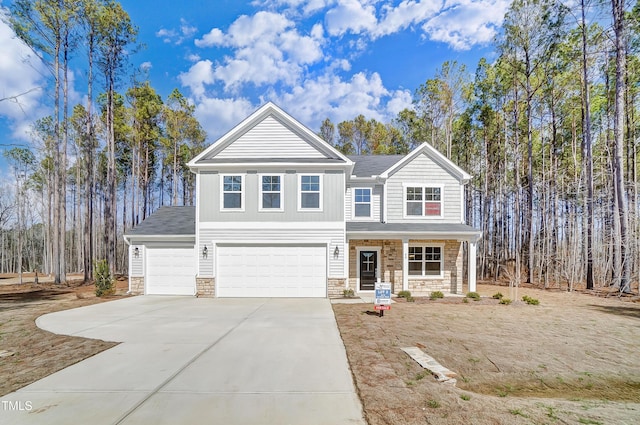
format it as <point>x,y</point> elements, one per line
<point>405,264</point>
<point>471,266</point>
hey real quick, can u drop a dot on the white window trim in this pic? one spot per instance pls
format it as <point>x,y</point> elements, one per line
<point>353,204</point>
<point>243,183</point>
<point>427,245</point>
<point>260,207</point>
<point>300,192</point>
<point>421,217</point>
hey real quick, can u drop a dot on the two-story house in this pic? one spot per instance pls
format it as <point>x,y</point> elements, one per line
<point>281,213</point>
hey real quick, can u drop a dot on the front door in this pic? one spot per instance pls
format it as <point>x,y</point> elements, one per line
<point>368,267</point>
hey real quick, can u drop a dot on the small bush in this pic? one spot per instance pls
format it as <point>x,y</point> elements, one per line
<point>473,295</point>
<point>404,294</point>
<point>348,293</point>
<point>465,397</point>
<point>436,294</point>
<point>530,301</point>
<point>104,282</point>
<point>505,301</point>
<point>410,299</point>
<point>434,404</point>
<point>497,296</point>
<point>465,300</point>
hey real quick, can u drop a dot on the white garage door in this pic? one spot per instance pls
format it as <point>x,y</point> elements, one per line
<point>171,271</point>
<point>272,271</point>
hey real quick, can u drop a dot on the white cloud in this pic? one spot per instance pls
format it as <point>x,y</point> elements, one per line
<point>219,115</point>
<point>146,66</point>
<point>267,49</point>
<point>352,16</point>
<point>177,36</point>
<point>22,82</point>
<point>467,23</point>
<point>330,96</point>
<point>199,74</point>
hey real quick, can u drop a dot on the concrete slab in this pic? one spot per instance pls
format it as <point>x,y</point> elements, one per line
<point>188,360</point>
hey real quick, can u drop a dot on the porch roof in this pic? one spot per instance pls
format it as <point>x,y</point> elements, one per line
<point>371,229</point>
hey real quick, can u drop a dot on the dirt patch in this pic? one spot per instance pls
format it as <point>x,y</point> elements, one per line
<point>571,359</point>
<point>29,353</point>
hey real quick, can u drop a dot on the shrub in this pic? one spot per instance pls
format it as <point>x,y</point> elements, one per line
<point>465,397</point>
<point>436,294</point>
<point>404,294</point>
<point>465,300</point>
<point>530,301</point>
<point>505,301</point>
<point>434,404</point>
<point>348,293</point>
<point>410,299</point>
<point>104,282</point>
<point>497,296</point>
<point>473,295</point>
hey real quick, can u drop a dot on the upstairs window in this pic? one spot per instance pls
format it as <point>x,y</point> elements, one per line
<point>310,192</point>
<point>362,202</point>
<point>425,261</point>
<point>232,195</point>
<point>423,201</point>
<point>271,192</point>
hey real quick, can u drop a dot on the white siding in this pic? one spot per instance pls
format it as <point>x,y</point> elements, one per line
<point>270,139</point>
<point>273,236</point>
<point>137,264</point>
<point>422,170</point>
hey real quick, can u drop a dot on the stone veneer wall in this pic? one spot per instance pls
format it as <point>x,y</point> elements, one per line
<point>452,281</point>
<point>391,263</point>
<point>335,288</point>
<point>136,285</point>
<point>205,287</point>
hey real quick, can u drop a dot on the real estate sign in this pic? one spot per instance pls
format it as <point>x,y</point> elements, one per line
<point>383,296</point>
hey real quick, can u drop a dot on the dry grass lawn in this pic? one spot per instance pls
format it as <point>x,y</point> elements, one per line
<point>572,359</point>
<point>27,352</point>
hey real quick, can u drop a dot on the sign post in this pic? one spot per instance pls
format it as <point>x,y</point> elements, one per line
<point>383,297</point>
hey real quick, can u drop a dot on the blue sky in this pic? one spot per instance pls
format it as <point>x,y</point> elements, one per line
<point>314,58</point>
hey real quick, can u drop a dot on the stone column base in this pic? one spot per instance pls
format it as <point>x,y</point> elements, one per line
<point>136,285</point>
<point>336,288</point>
<point>205,287</point>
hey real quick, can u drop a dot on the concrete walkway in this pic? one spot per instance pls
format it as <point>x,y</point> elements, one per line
<point>188,360</point>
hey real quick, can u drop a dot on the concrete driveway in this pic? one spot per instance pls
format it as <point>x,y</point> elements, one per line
<point>186,360</point>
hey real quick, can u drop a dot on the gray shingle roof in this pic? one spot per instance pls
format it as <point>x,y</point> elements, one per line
<point>407,228</point>
<point>169,221</point>
<point>373,165</point>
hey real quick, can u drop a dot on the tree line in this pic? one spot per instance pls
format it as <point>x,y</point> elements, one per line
<point>108,158</point>
<point>548,128</point>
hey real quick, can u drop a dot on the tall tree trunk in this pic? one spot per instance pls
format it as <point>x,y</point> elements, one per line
<point>618,8</point>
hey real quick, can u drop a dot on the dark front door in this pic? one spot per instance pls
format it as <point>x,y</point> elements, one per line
<point>368,266</point>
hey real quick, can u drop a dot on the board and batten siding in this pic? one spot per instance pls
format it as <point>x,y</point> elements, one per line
<point>376,202</point>
<point>424,171</point>
<point>269,138</point>
<point>332,193</point>
<point>273,237</point>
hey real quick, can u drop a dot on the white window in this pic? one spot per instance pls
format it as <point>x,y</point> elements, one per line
<point>362,202</point>
<point>271,193</point>
<point>423,201</point>
<point>310,192</point>
<point>232,192</point>
<point>426,261</point>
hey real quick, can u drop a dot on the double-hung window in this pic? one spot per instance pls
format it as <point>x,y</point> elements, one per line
<point>232,193</point>
<point>425,261</point>
<point>310,192</point>
<point>271,193</point>
<point>423,201</point>
<point>362,202</point>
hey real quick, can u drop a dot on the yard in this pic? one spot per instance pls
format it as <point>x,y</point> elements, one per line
<point>571,359</point>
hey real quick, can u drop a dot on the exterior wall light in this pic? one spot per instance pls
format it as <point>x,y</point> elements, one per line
<point>136,252</point>
<point>205,252</point>
<point>336,252</point>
